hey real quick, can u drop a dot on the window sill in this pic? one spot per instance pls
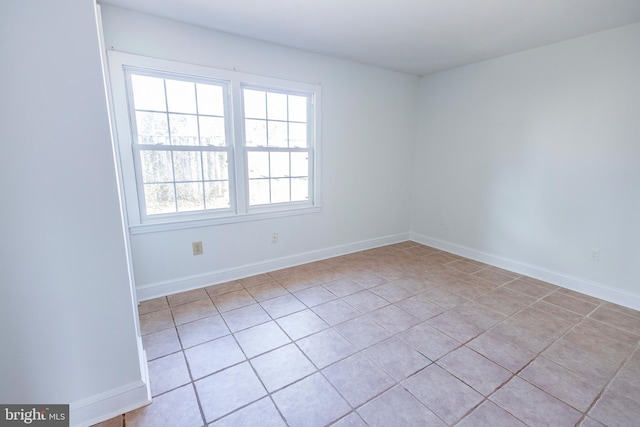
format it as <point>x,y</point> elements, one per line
<point>228,219</point>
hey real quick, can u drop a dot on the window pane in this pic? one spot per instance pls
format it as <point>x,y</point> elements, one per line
<point>299,189</point>
<point>280,190</point>
<point>297,108</point>
<point>184,129</point>
<point>215,166</point>
<point>297,135</point>
<point>258,164</point>
<point>152,128</point>
<point>255,104</point>
<point>159,198</point>
<point>156,166</point>
<point>187,166</point>
<point>277,134</point>
<point>299,164</point>
<point>276,106</point>
<point>279,165</point>
<point>189,196</point>
<point>256,133</point>
<point>148,93</point>
<point>217,195</point>
<point>210,99</point>
<point>181,96</point>
<point>258,191</point>
<point>212,131</point>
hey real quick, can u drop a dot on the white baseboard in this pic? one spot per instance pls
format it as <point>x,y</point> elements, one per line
<point>111,403</point>
<point>597,290</point>
<point>159,289</point>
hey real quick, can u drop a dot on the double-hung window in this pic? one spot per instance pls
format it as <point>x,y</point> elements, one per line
<point>198,145</point>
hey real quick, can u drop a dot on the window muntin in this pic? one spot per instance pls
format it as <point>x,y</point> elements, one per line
<point>278,145</point>
<point>163,123</point>
<point>180,144</point>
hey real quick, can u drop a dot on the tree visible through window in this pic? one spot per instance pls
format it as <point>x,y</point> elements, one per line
<point>277,141</point>
<point>180,140</point>
<point>211,146</point>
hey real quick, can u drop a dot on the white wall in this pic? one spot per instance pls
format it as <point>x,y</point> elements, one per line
<point>533,159</point>
<point>368,134</point>
<point>68,330</point>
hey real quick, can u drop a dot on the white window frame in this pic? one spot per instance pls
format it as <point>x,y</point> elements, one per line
<point>235,81</point>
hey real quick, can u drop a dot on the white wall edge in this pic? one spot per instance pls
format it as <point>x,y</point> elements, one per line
<point>111,403</point>
<point>597,290</point>
<point>169,287</point>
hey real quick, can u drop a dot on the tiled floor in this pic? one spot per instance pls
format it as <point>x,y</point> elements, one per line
<point>395,336</point>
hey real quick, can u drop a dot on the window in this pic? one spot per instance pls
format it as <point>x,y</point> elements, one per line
<point>199,145</point>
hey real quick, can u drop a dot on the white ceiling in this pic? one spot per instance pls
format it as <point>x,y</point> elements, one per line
<point>414,36</point>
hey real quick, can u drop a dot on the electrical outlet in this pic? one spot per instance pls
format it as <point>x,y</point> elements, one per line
<point>197,248</point>
<point>595,255</point>
<point>274,238</point>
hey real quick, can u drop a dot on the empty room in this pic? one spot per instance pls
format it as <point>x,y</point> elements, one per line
<point>321,213</point>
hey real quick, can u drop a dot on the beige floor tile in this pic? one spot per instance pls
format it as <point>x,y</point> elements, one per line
<point>156,321</point>
<point>343,287</point>
<point>177,408</point>
<point>392,292</point>
<point>429,341</point>
<point>202,330</point>
<point>395,310</point>
<point>282,367</point>
<point>351,420</point>
<point>363,332</point>
<point>267,291</point>
<point>527,288</point>
<point>505,353</point>
<point>488,414</point>
<point>245,317</point>
<point>326,347</point>
<point>456,326</point>
<point>505,301</point>
<point>301,324</point>
<point>224,288</point>
<point>191,311</point>
<point>570,303</point>
<point>186,297</point>
<point>533,406</point>
<point>262,338</point>
<point>420,307</point>
<point>262,413</point>
<point>213,356</point>
<point>312,402</point>
<point>167,373</point>
<point>561,383</point>
<point>475,370</point>
<point>617,319</point>
<point>152,305</point>
<point>616,410</point>
<point>259,279</point>
<point>232,300</point>
<point>228,390</point>
<point>315,296</point>
<point>444,297</point>
<point>397,407</point>
<point>334,312</point>
<point>358,379</point>
<point>397,358</point>
<point>365,301</point>
<point>445,395</point>
<point>393,319</point>
<point>161,343</point>
<point>282,306</point>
